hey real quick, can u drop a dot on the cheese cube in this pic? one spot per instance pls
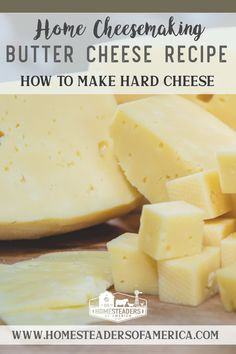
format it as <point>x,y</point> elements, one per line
<point>171,229</point>
<point>164,137</point>
<point>227,169</point>
<point>222,106</point>
<point>228,250</point>
<point>131,268</point>
<point>226,278</point>
<point>217,229</point>
<point>189,280</point>
<point>203,190</point>
<point>233,201</point>
<point>58,172</point>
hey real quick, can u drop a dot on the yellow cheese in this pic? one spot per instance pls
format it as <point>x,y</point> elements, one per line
<point>189,280</point>
<point>227,169</point>
<point>216,230</point>
<point>131,268</point>
<point>232,213</point>
<point>160,138</point>
<point>226,278</point>
<point>222,106</point>
<point>58,172</point>
<point>228,250</point>
<point>171,229</point>
<point>66,317</point>
<point>127,98</point>
<point>203,190</point>
<point>54,281</point>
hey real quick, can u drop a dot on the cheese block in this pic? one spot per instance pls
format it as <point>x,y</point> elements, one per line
<point>227,169</point>
<point>131,268</point>
<point>171,229</point>
<point>58,172</point>
<point>189,280</point>
<point>203,190</point>
<point>232,213</point>
<point>222,106</point>
<point>226,278</point>
<point>53,317</point>
<point>217,229</point>
<point>228,250</point>
<point>54,281</point>
<point>160,138</point>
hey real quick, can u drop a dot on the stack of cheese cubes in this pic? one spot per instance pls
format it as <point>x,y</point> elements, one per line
<point>183,160</point>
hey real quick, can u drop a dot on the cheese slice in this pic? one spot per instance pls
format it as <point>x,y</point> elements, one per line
<point>54,281</point>
<point>189,280</point>
<point>226,278</point>
<point>172,229</point>
<point>132,269</point>
<point>203,190</point>
<point>222,106</point>
<point>57,171</point>
<point>160,138</point>
<point>228,250</point>
<point>66,317</point>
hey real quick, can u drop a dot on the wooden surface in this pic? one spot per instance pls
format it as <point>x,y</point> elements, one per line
<point>211,312</point>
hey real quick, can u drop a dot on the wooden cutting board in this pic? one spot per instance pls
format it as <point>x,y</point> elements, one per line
<point>211,312</point>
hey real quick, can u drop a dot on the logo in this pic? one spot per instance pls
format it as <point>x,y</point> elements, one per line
<point>118,307</point>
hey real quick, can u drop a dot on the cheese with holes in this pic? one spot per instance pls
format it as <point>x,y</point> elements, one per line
<point>58,172</point>
<point>217,229</point>
<point>51,317</point>
<point>189,280</point>
<point>160,138</point>
<point>203,190</point>
<point>222,106</point>
<point>54,281</point>
<point>226,278</point>
<point>131,268</point>
<point>228,250</point>
<point>227,169</point>
<point>171,229</point>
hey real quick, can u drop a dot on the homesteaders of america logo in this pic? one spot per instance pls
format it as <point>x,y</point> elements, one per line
<point>118,307</point>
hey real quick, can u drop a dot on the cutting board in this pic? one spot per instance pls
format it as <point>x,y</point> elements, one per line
<point>95,238</point>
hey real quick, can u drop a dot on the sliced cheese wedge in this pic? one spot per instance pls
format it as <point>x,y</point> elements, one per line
<point>66,317</point>
<point>160,138</point>
<point>57,171</point>
<point>54,281</point>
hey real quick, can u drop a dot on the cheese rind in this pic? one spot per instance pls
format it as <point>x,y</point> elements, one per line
<point>131,268</point>
<point>58,172</point>
<point>228,250</point>
<point>217,229</point>
<point>203,190</point>
<point>227,169</point>
<point>165,137</point>
<point>171,229</point>
<point>226,278</point>
<point>189,280</point>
